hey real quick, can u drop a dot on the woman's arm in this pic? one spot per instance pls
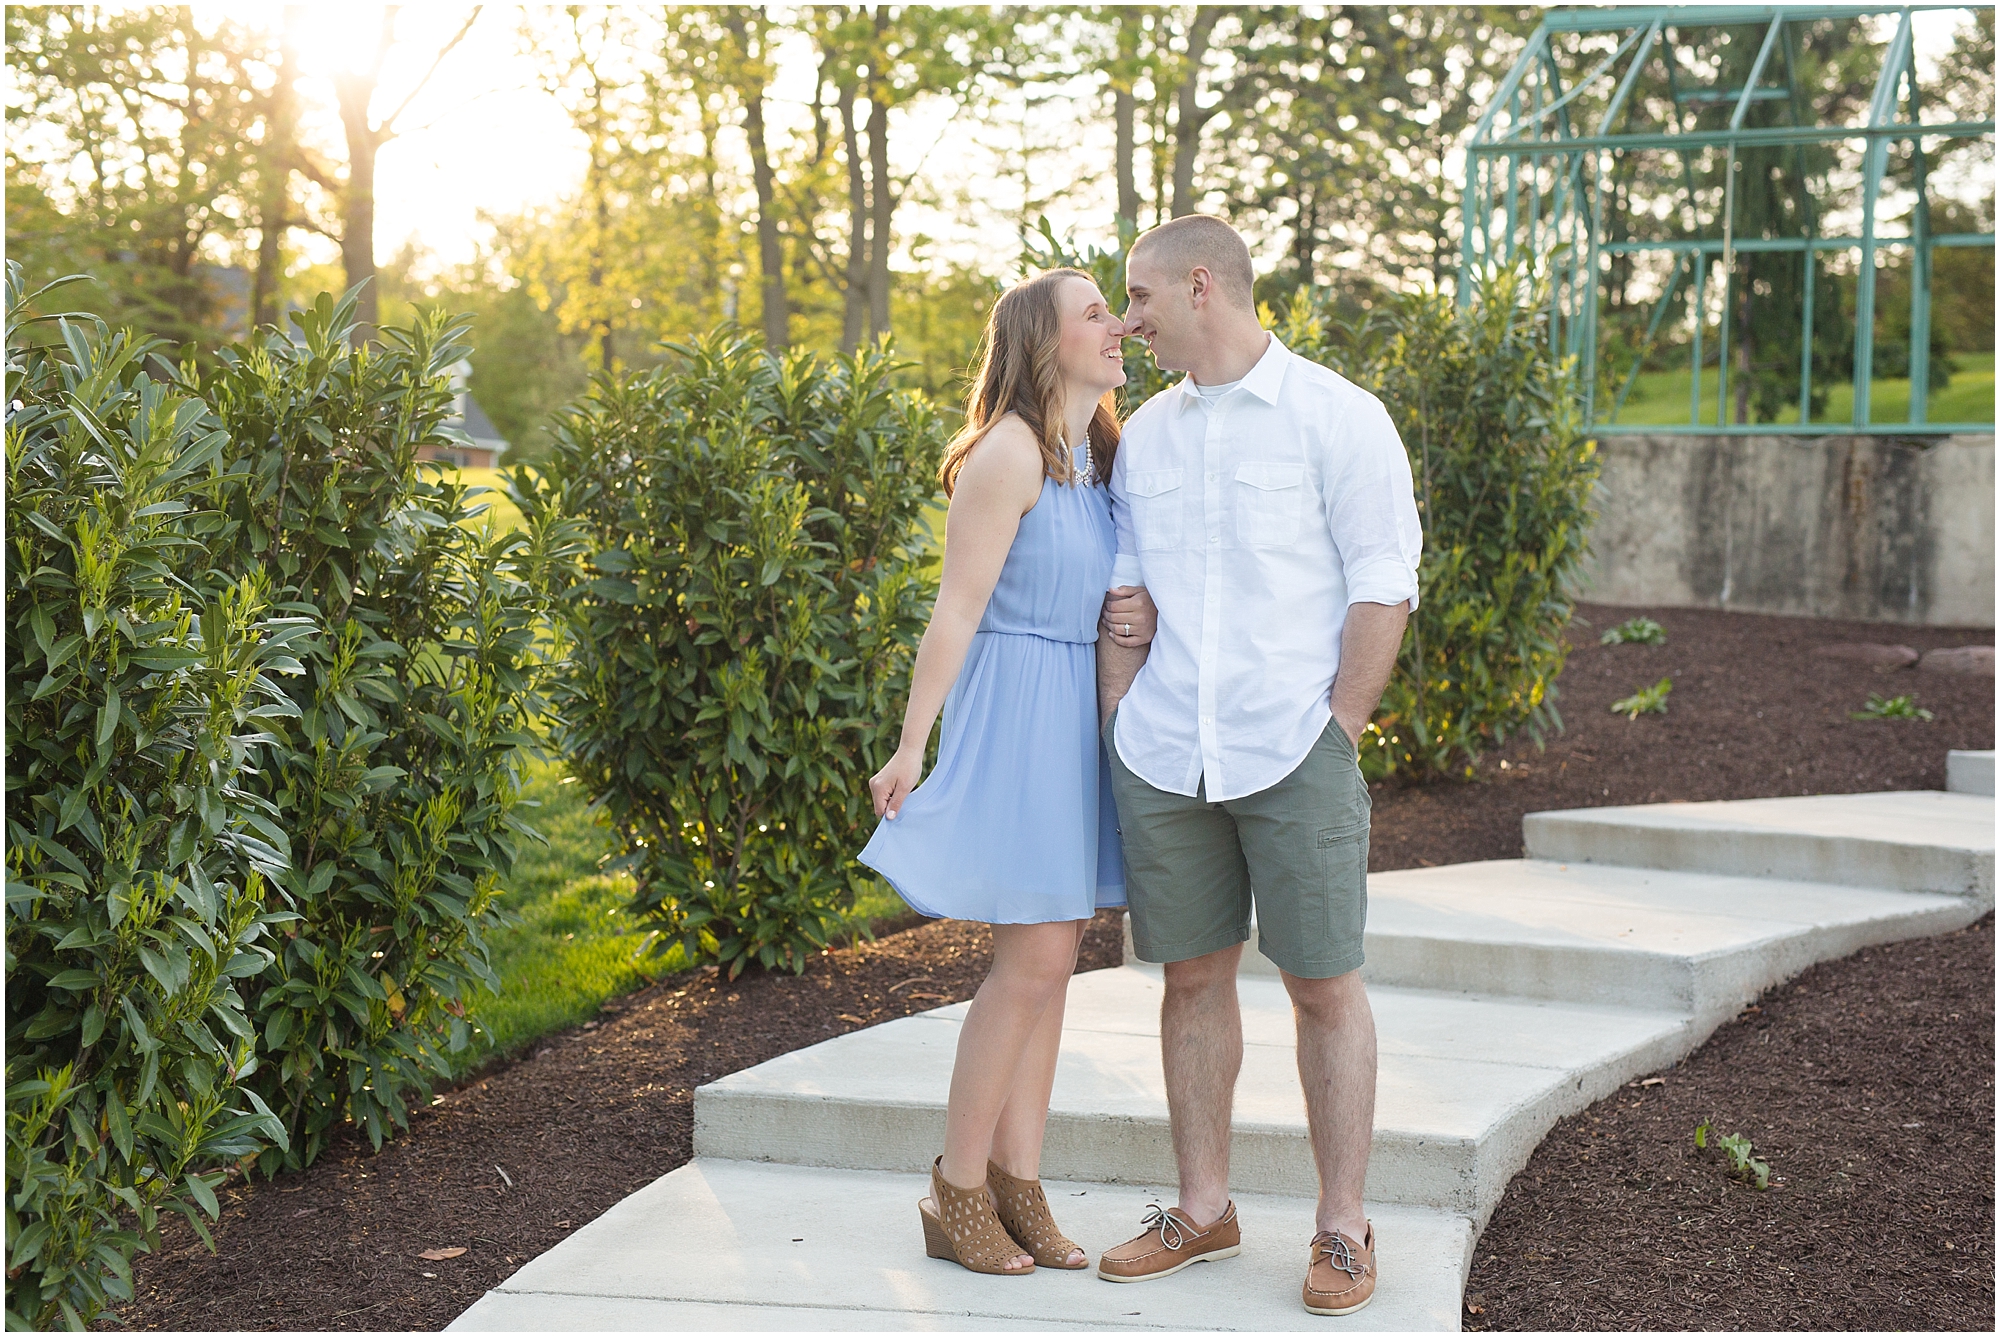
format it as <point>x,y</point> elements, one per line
<point>1000,483</point>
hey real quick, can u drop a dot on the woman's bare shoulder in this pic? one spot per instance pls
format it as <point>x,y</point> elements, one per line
<point>1007,460</point>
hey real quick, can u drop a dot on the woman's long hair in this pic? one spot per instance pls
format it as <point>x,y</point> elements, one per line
<point>1018,374</point>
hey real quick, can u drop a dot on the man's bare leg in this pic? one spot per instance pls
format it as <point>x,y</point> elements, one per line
<point>1336,1030</point>
<point>1201,1048</point>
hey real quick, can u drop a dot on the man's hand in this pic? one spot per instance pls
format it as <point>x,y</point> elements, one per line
<point>1130,618</point>
<point>1368,645</point>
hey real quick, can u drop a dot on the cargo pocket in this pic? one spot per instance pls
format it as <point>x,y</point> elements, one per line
<point>1156,500</point>
<point>1343,885</point>
<point>1270,498</point>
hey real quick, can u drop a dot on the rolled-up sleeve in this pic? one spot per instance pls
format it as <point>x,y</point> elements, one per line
<point>1125,570</point>
<point>1372,509</point>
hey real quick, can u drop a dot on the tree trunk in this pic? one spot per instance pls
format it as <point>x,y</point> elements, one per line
<point>605,350</point>
<point>357,205</point>
<point>770,254</point>
<point>1189,118</point>
<point>1124,111</point>
<point>881,204</point>
<point>854,309</point>
<point>274,209</point>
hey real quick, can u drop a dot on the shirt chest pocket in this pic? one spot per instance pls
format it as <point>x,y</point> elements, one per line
<point>1156,500</point>
<point>1270,499</point>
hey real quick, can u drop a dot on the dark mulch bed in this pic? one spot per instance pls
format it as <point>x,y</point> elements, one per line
<point>587,1118</point>
<point>1754,713</point>
<point>1866,1084</point>
<point>595,1113</point>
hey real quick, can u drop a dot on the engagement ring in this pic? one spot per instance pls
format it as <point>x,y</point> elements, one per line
<point>1127,631</point>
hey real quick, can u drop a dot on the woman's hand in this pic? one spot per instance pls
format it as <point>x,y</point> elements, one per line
<point>893,783</point>
<point>1130,617</point>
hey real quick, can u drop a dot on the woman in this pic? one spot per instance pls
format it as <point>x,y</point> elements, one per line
<point>1016,827</point>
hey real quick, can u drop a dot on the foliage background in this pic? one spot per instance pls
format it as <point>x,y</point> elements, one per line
<point>815,173</point>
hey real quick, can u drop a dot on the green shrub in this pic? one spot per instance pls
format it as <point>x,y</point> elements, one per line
<point>741,639</point>
<point>399,770</point>
<point>1492,422</point>
<point>137,854</point>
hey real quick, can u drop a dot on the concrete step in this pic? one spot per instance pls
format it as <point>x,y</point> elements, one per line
<point>1920,840</point>
<point>1699,943</point>
<point>1969,772</point>
<point>1468,1084</point>
<point>734,1246</point>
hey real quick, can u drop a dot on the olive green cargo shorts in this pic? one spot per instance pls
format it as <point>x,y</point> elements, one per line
<point>1298,851</point>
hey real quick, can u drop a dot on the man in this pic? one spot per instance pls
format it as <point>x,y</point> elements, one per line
<point>1266,503</point>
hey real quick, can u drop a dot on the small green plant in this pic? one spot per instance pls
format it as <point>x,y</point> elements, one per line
<point>1635,631</point>
<point>1646,701</point>
<point>1890,708</point>
<point>1751,1169</point>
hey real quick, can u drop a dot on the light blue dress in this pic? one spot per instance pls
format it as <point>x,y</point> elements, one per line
<point>1017,824</point>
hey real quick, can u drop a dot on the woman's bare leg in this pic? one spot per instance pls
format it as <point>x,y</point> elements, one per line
<point>1017,1137</point>
<point>1031,969</point>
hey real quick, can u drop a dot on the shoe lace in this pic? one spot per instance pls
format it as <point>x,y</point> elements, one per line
<point>1171,1232</point>
<point>1334,1248</point>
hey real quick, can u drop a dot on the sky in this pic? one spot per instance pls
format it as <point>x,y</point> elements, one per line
<point>483,137</point>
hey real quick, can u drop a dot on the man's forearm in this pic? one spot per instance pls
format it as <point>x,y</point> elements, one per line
<point>1369,643</point>
<point>1117,666</point>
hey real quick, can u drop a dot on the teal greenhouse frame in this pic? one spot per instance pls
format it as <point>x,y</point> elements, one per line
<point>1546,155</point>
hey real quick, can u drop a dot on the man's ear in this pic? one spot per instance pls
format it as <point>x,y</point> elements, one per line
<point>1201,285</point>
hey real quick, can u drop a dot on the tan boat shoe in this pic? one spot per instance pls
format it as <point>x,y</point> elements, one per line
<point>960,1226</point>
<point>1024,1209</point>
<point>1340,1276</point>
<point>1170,1243</point>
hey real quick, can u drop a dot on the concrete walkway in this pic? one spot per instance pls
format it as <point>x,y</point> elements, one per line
<point>1508,994</point>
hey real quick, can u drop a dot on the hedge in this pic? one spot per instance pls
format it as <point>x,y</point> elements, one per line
<point>740,639</point>
<point>269,698</point>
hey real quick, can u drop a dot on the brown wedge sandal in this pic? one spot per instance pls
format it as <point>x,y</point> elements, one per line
<point>1024,1210</point>
<point>965,1230</point>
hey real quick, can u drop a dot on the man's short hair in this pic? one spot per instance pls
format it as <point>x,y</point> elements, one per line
<point>1180,244</point>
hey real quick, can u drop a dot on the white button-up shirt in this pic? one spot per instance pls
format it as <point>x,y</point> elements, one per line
<point>1254,522</point>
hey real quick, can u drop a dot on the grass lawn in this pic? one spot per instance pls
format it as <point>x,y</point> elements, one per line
<point>1660,399</point>
<point>570,944</point>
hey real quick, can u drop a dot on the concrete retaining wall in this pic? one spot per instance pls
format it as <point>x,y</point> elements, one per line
<point>1889,529</point>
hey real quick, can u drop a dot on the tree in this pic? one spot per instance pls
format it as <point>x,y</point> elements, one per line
<point>749,73</point>
<point>876,58</point>
<point>131,135</point>
<point>1348,122</point>
<point>355,90</point>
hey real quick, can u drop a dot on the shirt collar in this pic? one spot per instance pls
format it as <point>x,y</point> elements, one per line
<point>1262,380</point>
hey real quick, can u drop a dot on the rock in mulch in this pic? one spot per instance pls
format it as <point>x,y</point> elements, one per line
<point>1872,653</point>
<point>1972,661</point>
